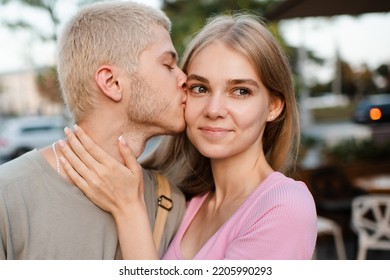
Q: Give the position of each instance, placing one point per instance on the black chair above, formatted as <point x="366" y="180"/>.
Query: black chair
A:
<point x="333" y="193"/>
<point x="332" y="189"/>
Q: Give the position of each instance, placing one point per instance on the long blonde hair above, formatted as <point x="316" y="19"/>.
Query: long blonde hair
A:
<point x="246" y="34"/>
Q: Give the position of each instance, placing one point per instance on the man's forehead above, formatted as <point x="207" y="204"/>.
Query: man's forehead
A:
<point x="171" y="54"/>
<point x="161" y="42"/>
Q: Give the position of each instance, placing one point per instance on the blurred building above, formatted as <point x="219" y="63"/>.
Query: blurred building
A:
<point x="19" y="95"/>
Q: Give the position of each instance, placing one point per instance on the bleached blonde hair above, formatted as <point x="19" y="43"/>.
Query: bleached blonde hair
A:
<point x="113" y="33"/>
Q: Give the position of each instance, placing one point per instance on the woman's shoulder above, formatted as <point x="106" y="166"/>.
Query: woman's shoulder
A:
<point x="281" y="193"/>
<point x="277" y="183"/>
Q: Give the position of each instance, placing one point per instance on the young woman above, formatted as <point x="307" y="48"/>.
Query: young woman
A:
<point x="242" y="132"/>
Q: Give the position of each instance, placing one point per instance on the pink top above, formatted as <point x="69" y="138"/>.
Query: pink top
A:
<point x="278" y="220"/>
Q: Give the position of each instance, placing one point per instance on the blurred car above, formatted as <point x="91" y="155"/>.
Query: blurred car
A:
<point x="20" y="135"/>
<point x="373" y="109"/>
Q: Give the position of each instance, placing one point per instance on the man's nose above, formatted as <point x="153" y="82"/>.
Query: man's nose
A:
<point x="181" y="79"/>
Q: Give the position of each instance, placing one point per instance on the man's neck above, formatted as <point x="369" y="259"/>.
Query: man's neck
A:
<point x="106" y="137"/>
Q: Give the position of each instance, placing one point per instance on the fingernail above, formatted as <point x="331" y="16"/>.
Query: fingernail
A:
<point x="122" y="140"/>
<point x="76" y="128"/>
<point x="62" y="159"/>
<point x="60" y="143"/>
<point x="66" y="130"/>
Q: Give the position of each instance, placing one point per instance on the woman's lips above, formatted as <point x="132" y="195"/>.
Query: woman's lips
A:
<point x="214" y="131"/>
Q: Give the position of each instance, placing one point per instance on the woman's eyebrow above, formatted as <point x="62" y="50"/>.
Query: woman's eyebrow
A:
<point x="243" y="81"/>
<point x="229" y="82"/>
<point x="197" y="77"/>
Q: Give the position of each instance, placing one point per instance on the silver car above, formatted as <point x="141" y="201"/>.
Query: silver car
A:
<point x="20" y="135"/>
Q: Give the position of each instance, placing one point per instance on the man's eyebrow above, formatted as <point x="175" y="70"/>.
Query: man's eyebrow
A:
<point x="243" y="81"/>
<point x="197" y="78"/>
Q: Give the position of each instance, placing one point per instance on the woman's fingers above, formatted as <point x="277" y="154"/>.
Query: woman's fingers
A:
<point x="109" y="183"/>
<point x="91" y="147"/>
<point x="80" y="151"/>
<point x="128" y="156"/>
<point x="74" y="175"/>
<point x="77" y="166"/>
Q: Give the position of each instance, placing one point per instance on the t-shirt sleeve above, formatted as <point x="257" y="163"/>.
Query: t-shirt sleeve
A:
<point x="287" y="230"/>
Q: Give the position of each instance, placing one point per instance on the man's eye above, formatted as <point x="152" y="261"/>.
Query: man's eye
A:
<point x="198" y="89"/>
<point x="168" y="66"/>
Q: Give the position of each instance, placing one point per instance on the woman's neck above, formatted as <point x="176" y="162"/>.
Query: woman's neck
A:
<point x="238" y="176"/>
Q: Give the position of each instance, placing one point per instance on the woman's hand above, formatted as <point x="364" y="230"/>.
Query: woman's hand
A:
<point x="112" y="186"/>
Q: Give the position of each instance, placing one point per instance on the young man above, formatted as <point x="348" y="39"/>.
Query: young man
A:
<point x="119" y="76"/>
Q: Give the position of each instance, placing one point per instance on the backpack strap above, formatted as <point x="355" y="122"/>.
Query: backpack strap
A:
<point x="164" y="205"/>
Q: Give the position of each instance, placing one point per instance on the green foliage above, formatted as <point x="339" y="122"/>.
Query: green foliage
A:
<point x="308" y="142"/>
<point x="46" y="79"/>
<point x="384" y="71"/>
<point x="50" y="7"/>
<point x="189" y="16"/>
<point x="350" y="151"/>
<point x="48" y="85"/>
<point x="21" y="23"/>
<point x="333" y="114"/>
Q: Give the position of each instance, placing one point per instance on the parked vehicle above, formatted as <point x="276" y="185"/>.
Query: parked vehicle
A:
<point x="373" y="109"/>
<point x="20" y="135"/>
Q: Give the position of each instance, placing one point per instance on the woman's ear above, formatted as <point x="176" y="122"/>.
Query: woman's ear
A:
<point x="275" y="108"/>
<point x="108" y="83"/>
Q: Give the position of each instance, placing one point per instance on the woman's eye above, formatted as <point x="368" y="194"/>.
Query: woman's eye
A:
<point x="198" y="89"/>
<point x="169" y="67"/>
<point x="241" y="92"/>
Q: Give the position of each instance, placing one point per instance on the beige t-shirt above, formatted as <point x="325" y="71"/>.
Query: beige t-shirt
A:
<point x="44" y="217"/>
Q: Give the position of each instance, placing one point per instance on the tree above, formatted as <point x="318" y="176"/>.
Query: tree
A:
<point x="48" y="85"/>
<point x="189" y="16"/>
<point x="364" y="82"/>
<point x="384" y="72"/>
<point x="48" y="6"/>
<point x="47" y="79"/>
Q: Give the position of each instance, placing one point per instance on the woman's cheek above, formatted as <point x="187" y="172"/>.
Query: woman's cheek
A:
<point x="190" y="110"/>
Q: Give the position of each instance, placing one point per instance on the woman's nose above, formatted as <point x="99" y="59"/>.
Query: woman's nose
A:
<point x="216" y="106"/>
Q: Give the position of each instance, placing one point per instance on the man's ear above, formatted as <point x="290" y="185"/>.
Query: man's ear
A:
<point x="108" y="83"/>
<point x="275" y="108"/>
